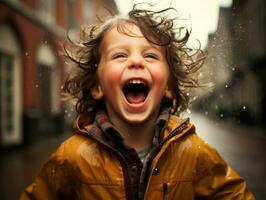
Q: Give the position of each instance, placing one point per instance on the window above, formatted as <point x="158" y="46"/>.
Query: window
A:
<point x="6" y="93"/>
<point x="70" y="15"/>
<point x="87" y="11"/>
<point x="48" y="80"/>
<point x="45" y="73"/>
<point x="10" y="87"/>
<point x="46" y="11"/>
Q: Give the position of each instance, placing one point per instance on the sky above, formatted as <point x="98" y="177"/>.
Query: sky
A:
<point x="202" y="14"/>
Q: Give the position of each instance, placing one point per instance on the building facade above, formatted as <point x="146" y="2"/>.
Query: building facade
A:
<point x="236" y="61"/>
<point x="32" y="69"/>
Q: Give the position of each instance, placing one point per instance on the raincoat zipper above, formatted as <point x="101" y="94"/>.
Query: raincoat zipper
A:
<point x="143" y="184"/>
<point x="165" y="187"/>
<point x="123" y="162"/>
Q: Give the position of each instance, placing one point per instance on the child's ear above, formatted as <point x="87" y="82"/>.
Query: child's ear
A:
<point x="168" y="94"/>
<point x="96" y="92"/>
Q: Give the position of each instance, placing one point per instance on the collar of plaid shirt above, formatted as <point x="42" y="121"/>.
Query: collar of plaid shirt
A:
<point x="107" y="132"/>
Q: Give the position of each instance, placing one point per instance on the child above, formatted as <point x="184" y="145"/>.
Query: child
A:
<point x="134" y="73"/>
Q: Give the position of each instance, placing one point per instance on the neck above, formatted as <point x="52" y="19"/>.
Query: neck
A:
<point x="137" y="136"/>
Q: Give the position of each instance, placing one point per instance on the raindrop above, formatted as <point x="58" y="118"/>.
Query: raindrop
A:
<point x="187" y="94"/>
<point x="226" y="86"/>
<point x="188" y="111"/>
<point x="36" y="85"/>
<point x="195" y="98"/>
<point x="233" y="69"/>
<point x="244" y="107"/>
<point x="221" y="115"/>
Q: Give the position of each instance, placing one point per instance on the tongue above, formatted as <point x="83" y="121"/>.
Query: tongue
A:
<point x="135" y="98"/>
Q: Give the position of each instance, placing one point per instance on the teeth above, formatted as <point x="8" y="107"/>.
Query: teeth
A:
<point x="136" y="82"/>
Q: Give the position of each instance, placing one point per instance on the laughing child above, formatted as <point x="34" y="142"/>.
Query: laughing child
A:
<point x="132" y="77"/>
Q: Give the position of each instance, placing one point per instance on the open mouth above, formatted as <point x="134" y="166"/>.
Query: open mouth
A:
<point x="136" y="91"/>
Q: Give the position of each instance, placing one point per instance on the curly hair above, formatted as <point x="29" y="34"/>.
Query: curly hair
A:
<point x="184" y="63"/>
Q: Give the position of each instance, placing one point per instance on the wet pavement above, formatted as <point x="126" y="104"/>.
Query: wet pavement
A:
<point x="18" y="167"/>
<point x="242" y="147"/>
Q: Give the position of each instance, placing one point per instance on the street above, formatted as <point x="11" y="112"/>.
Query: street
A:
<point x="242" y="147"/>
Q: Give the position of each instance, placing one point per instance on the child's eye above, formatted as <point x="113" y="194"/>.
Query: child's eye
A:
<point x="119" y="55"/>
<point x="151" y="55"/>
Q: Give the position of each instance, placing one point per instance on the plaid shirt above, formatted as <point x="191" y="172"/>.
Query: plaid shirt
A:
<point x="107" y="132"/>
<point x="104" y="131"/>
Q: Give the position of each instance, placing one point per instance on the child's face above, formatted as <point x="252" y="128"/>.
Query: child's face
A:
<point x="133" y="75"/>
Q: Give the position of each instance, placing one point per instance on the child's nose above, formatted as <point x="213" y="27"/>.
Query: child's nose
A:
<point x="136" y="62"/>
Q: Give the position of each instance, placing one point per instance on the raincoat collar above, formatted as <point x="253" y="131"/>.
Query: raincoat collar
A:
<point x="98" y="124"/>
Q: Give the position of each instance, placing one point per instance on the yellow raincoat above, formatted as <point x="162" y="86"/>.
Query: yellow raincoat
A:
<point x="184" y="168"/>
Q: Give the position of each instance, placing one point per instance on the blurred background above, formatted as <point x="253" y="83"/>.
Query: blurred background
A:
<point x="34" y="119"/>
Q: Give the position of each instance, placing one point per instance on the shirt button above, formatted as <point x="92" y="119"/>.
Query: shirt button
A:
<point x="134" y="168"/>
<point x="156" y="171"/>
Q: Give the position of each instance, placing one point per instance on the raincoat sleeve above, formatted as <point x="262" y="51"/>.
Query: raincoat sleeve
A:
<point x="215" y="179"/>
<point x="51" y="178"/>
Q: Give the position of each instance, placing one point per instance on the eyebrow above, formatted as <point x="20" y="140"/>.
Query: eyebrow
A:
<point x="145" y="47"/>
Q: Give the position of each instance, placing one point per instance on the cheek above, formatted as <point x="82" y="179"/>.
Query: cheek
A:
<point x="160" y="76"/>
<point x="110" y="79"/>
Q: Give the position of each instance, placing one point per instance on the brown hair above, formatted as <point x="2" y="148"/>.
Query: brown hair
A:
<point x="158" y="29"/>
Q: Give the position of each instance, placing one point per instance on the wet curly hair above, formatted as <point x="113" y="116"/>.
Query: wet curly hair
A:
<point x="184" y="63"/>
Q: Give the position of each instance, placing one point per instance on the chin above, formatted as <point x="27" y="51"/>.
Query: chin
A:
<point x="137" y="119"/>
